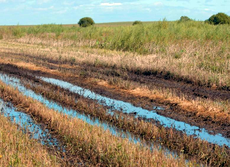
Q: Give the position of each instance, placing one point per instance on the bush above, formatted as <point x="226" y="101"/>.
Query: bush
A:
<point x="220" y="18"/>
<point x="85" y="22"/>
<point x="184" y="19"/>
<point x="137" y="23"/>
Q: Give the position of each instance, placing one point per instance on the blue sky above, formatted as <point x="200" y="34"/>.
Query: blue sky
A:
<point x="28" y="12"/>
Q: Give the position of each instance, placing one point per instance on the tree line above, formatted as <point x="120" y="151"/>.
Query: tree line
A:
<point x="219" y="18"/>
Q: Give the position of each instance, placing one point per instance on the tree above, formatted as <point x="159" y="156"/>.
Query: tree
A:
<point x="219" y="18"/>
<point x="137" y="23"/>
<point x="86" y="21"/>
<point x="184" y="19"/>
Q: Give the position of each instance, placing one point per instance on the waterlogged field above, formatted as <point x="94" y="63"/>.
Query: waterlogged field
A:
<point x="151" y="95"/>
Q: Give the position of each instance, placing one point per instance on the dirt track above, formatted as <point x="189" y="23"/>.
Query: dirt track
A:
<point x="171" y="110"/>
<point x="189" y="89"/>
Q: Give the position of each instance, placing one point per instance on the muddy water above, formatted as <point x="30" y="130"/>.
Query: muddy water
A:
<point x="74" y="114"/>
<point x="27" y="124"/>
<point x="140" y="112"/>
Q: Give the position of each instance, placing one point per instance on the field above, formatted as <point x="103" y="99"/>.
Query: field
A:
<point x="156" y="94"/>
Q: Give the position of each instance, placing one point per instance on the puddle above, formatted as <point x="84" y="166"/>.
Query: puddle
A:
<point x="74" y="114"/>
<point x="27" y="124"/>
<point x="140" y="112"/>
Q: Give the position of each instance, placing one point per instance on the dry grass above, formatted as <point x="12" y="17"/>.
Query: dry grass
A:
<point x="95" y="145"/>
<point x="17" y="149"/>
<point x="197" y="64"/>
<point x="142" y="129"/>
<point x="205" y="107"/>
<point x="172" y="47"/>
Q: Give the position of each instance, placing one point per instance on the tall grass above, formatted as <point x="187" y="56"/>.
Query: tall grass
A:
<point x="141" y="38"/>
<point x="192" y="51"/>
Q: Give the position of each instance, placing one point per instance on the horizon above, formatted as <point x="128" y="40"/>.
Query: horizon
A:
<point x="95" y="23"/>
<point x="38" y="12"/>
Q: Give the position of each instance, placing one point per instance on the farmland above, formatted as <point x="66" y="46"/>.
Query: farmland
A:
<point x="156" y="94"/>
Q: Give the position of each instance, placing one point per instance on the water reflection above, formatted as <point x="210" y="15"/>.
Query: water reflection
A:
<point x="140" y="112"/>
<point x="27" y="124"/>
<point x="15" y="82"/>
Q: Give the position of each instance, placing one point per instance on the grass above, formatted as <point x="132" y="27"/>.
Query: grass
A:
<point x="73" y="57"/>
<point x="193" y="51"/>
<point x="166" y="137"/>
<point x="17" y="149"/>
<point x="130" y="38"/>
<point x="204" y="109"/>
<point x="94" y="145"/>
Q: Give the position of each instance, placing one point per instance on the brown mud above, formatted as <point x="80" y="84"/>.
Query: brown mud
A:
<point x="188" y="88"/>
<point x="217" y="125"/>
<point x="174" y="140"/>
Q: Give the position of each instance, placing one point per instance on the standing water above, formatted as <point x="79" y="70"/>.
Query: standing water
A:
<point x="27" y="124"/>
<point x="74" y="114"/>
<point x="140" y="112"/>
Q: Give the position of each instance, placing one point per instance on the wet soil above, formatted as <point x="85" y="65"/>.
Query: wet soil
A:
<point x="171" y="110"/>
<point x="191" y="89"/>
<point x="50" y="142"/>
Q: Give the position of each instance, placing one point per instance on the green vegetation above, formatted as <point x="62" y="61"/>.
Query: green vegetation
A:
<point x="137" y="23"/>
<point x="184" y="19"/>
<point x="86" y="22"/>
<point x="149" y="38"/>
<point x="190" y="47"/>
<point x="220" y="18"/>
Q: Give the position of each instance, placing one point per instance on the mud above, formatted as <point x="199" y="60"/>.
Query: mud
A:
<point x="171" y="111"/>
<point x="27" y="124"/>
<point x="190" y="88"/>
<point x="16" y="83"/>
<point x="128" y="108"/>
<point x="30" y="75"/>
<point x="36" y="131"/>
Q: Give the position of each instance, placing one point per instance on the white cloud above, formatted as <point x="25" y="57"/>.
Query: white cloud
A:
<point x="110" y="4"/>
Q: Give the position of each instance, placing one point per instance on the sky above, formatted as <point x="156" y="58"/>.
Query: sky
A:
<point x="33" y="12"/>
